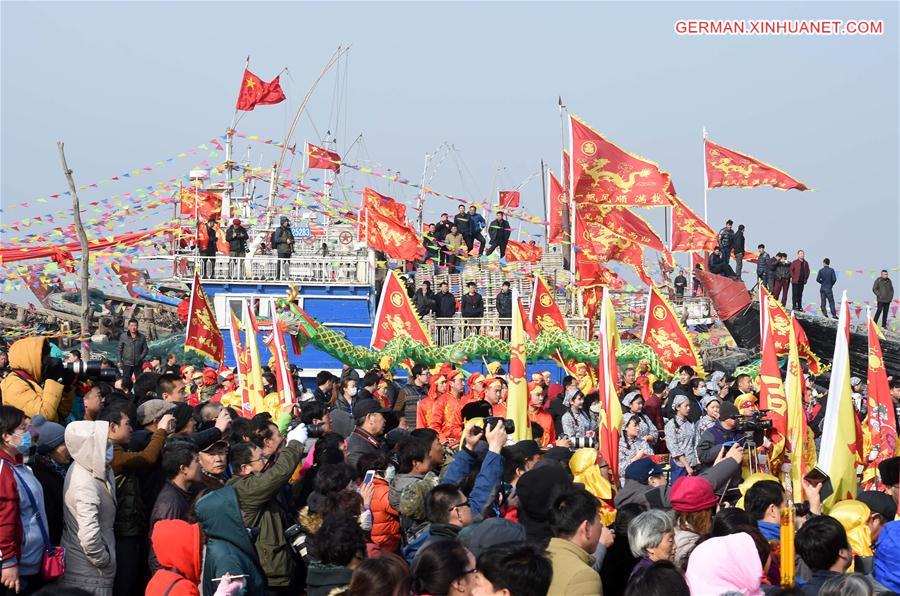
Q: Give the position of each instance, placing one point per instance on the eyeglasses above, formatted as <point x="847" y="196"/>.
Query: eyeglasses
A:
<point x="463" y="504"/>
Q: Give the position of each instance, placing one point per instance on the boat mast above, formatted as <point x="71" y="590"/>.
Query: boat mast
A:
<point x="420" y="203"/>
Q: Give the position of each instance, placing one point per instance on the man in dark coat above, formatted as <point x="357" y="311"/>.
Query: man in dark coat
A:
<point x="799" y="277"/>
<point x="737" y="247"/>
<point x="826" y="279"/>
<point x="441" y="229"/>
<point x="283" y="245"/>
<point x="472" y="304"/>
<point x="237" y="238"/>
<point x="132" y="352"/>
<point x="463" y="224"/>
<point x="718" y="263"/>
<point x="207" y="247"/>
<point x="499" y="232"/>
<point x="423" y="299"/>
<point x="444" y="303"/>
<point x="476" y="225"/>
<point x="762" y="267"/>
<point x="884" y="293"/>
<point x="726" y="239"/>
<point x="504" y="301"/>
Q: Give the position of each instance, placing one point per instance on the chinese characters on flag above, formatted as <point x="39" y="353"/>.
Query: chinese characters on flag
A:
<point x="728" y="168"/>
<point x="665" y="335"/>
<point x="202" y="334"/>
<point x="395" y="316"/>
<point x="256" y="92"/>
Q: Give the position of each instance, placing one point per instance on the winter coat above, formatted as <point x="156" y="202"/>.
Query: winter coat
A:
<point x="176" y="545"/>
<point x="90" y="510"/>
<point x="504" y="304"/>
<point x="799" y="271"/>
<point x="462" y="221"/>
<point x="51" y="477"/>
<point x="25" y="387"/>
<point x="408" y="400"/>
<point x="762" y="265"/>
<point x="21" y="540"/>
<point x="882" y="288"/>
<point x="424" y="302"/>
<point x="237" y="238"/>
<point x="132" y="350"/>
<point x="726" y="240"/>
<point x="782" y="270"/>
<point x="633" y="491"/>
<point x="737" y="243"/>
<point x="322" y="580"/>
<point x="361" y="443"/>
<point x="256" y="497"/>
<point x="130" y="469"/>
<point x="453" y="242"/>
<point x="499" y="231"/>
<point x="826" y="278"/>
<point x="472" y="306"/>
<point x="685" y="541"/>
<point x="385" y="519"/>
<point x="283" y="241"/>
<point x="172" y="503"/>
<point x="444" y="305"/>
<point x="477" y="224"/>
<point x="441" y="229"/>
<point x="228" y="545"/>
<point x="573" y="571"/>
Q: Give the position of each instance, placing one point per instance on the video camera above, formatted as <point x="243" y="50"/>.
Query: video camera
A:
<point x="491" y="421"/>
<point x="753" y="422"/>
<point x="91" y="369"/>
<point x="314" y="430"/>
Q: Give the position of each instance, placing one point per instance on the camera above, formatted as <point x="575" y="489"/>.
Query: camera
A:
<point x="582" y="442"/>
<point x="92" y="370"/>
<point x="316" y="430"/>
<point x="296" y="537"/>
<point x="801" y="509"/>
<point x="491" y="421"/>
<point x="753" y="422"/>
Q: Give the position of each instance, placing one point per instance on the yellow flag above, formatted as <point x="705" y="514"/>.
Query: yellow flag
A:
<point x="254" y="366"/>
<point x="796" y="421"/>
<point x="838" y="444"/>
<point x="517" y="400"/>
<point x="607" y="380"/>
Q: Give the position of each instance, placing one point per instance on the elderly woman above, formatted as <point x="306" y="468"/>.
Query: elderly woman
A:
<point x="634" y="402"/>
<point x="577" y="422"/>
<point x="710" y="405"/>
<point x="681" y="439"/>
<point x="652" y="538"/>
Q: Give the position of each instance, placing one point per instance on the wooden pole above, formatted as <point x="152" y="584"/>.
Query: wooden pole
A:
<point x="85" y="250"/>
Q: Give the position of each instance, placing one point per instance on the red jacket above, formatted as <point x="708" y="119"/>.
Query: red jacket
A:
<point x="385" y="519"/>
<point x="799" y="271"/>
<point x="177" y="547"/>
<point x="11" y="532"/>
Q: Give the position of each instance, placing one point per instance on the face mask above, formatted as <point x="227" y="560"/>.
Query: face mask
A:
<point x="109" y="454"/>
<point x="25" y="443"/>
<point x="353" y="391"/>
<point x="390" y="473"/>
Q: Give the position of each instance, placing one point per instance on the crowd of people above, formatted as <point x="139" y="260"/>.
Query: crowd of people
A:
<point x="778" y="273"/>
<point x="155" y="483"/>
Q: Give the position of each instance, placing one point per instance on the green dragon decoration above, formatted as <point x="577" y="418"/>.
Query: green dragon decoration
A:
<point x="548" y="344"/>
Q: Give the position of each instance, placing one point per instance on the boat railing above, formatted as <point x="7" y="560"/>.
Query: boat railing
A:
<point x="445" y="331"/>
<point x="307" y="269"/>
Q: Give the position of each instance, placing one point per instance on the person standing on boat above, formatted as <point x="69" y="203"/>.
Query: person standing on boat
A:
<point x="441" y="229"/>
<point x="726" y="240"/>
<point x="499" y="232"/>
<point x="207" y="246"/>
<point x="762" y="267"/>
<point x="799" y="277"/>
<point x="283" y="245"/>
<point x="884" y="293"/>
<point x="476" y="225"/>
<point x="826" y="279"/>
<point x="463" y="224"/>
<point x="737" y="247"/>
<point x="132" y="352"/>
<point x="237" y="238"/>
<point x="680" y="285"/>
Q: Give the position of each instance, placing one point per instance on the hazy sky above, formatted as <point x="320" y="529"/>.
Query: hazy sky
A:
<point x="127" y="84"/>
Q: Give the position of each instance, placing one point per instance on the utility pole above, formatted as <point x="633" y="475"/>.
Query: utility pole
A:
<point x="85" y="250"/>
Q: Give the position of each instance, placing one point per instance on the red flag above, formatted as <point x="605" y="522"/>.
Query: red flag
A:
<point x="590" y="273"/>
<point x="284" y="382"/>
<point x="604" y="173"/>
<point x="523" y="251"/>
<point x="129" y="276"/>
<point x="665" y="335"/>
<point x="386" y="228"/>
<point x="544" y="312"/>
<point x="600" y="244"/>
<point x="322" y="159"/>
<point x="556" y="204"/>
<point x="772" y="395"/>
<point x="209" y="203"/>
<point x="623" y="222"/>
<point x="527" y="323"/>
<point x="728" y="168"/>
<point x="202" y="333"/>
<point x="880" y="420"/>
<point x="509" y="198"/>
<point x="689" y="232"/>
<point x="395" y="316"/>
<point x="256" y="92"/>
<point x="780" y="323"/>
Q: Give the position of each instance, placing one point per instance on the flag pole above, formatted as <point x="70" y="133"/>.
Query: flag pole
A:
<point x="705" y="181"/>
<point x="546" y="208"/>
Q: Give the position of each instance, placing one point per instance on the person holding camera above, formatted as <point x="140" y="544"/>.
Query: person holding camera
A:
<point x="37" y="382"/>
<point x="721" y="436"/>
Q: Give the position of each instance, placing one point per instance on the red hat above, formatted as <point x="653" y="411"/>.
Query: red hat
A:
<point x="236" y="221"/>
<point x="554" y="390"/>
<point x="692" y="493"/>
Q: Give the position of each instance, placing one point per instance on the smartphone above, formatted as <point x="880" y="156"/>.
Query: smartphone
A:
<point x="370" y="475"/>
<point x="728" y="443"/>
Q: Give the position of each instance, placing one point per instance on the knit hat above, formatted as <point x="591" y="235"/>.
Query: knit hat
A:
<point x="692" y="493"/>
<point x="728" y="410"/>
<point x="493" y="532"/>
<point x="341" y="422"/>
<point x="50" y="434"/>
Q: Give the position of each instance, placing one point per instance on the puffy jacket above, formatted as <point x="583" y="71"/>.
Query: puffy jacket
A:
<point x="256" y="496"/>
<point x="90" y="509"/>
<point x="504" y="304"/>
<point x="573" y="571"/>
<point x="477" y="224"/>
<point x="237" y="237"/>
<point x="385" y="519"/>
<point x="25" y="388"/>
<point x="176" y="544"/>
<point x="228" y="545"/>
<point x="799" y="271"/>
<point x="453" y="243"/>
<point x="762" y="265"/>
<point x="283" y="239"/>
<point x="882" y="288"/>
<point x="472" y="305"/>
<point x="444" y="305"/>
<point x="132" y="350"/>
<point x="441" y="229"/>
<point x="463" y="224"/>
<point x="782" y="270"/>
<point x="51" y="477"/>
<point x="407" y="401"/>
<point x="726" y="240"/>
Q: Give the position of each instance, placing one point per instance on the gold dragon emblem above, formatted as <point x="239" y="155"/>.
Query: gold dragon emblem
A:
<point x="396" y="325"/>
<point x="664" y="341"/>
<point x="546" y="322"/>
<point x="598" y="174"/>
<point x="726" y="166"/>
